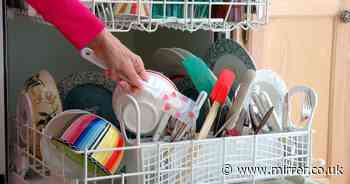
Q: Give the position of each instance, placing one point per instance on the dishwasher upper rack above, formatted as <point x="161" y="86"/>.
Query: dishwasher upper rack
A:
<point x="184" y="15"/>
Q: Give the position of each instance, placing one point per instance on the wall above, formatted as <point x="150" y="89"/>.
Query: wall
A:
<point x="33" y="47"/>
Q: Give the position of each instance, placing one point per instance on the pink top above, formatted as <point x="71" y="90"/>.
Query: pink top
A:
<point x="73" y="19"/>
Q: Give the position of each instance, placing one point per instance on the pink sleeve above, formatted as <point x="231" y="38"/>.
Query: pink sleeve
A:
<point x="73" y="19"/>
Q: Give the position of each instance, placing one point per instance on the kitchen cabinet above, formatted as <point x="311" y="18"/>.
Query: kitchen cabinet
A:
<point x="307" y="42"/>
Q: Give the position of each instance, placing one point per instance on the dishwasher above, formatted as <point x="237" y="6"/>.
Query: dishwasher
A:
<point x="65" y="122"/>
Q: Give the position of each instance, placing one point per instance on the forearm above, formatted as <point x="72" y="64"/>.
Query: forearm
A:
<point x="71" y="18"/>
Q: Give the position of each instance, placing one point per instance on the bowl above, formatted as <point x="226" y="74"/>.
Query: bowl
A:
<point x="150" y="109"/>
<point x="63" y="155"/>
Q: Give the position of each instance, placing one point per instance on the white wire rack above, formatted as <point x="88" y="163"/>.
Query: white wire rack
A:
<point x="218" y="160"/>
<point x="185" y="15"/>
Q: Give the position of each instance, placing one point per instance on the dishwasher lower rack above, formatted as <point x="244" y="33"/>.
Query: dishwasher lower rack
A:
<point x="217" y="160"/>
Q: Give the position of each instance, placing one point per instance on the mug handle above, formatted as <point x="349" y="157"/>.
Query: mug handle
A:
<point x="90" y="55"/>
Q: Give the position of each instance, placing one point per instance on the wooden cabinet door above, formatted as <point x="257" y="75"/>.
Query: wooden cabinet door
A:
<point x="339" y="136"/>
<point x="306" y="43"/>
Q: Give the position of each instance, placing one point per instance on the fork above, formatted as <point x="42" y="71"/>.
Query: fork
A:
<point x="307" y="110"/>
<point x="308" y="107"/>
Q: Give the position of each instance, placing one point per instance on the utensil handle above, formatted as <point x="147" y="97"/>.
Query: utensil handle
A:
<point x="237" y="105"/>
<point x="90" y="55"/>
<point x="257" y="101"/>
<point x="202" y="97"/>
<point x="161" y="127"/>
<point x="267" y="103"/>
<point x="209" y="121"/>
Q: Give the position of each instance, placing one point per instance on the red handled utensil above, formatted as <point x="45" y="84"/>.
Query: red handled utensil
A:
<point x="218" y="96"/>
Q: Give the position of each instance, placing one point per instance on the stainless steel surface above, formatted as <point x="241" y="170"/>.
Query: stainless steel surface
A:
<point x="2" y="94"/>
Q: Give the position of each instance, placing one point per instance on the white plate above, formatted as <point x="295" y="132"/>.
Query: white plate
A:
<point x="273" y="85"/>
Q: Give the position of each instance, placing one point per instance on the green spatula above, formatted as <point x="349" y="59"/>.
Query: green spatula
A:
<point x="202" y="77"/>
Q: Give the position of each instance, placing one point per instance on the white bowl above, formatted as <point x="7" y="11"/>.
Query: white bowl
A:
<point x="147" y="100"/>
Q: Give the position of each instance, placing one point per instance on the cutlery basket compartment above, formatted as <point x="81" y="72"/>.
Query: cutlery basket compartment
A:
<point x="222" y="160"/>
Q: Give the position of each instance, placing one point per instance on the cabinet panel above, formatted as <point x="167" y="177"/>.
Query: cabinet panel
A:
<point x="339" y="144"/>
<point x="302" y="7"/>
<point x="300" y="50"/>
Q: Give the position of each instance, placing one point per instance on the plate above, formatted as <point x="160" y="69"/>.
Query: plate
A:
<point x="45" y="103"/>
<point x="76" y="79"/>
<point x="24" y="115"/>
<point x="89" y="91"/>
<point x="229" y="54"/>
<point x="273" y="85"/>
<point x="168" y="61"/>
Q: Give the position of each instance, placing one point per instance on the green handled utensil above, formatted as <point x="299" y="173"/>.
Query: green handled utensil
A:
<point x="202" y="77"/>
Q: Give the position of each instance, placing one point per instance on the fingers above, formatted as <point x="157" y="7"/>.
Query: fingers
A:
<point x="125" y="86"/>
<point x="140" y="68"/>
<point x="133" y="78"/>
<point x="127" y="74"/>
<point x="122" y="83"/>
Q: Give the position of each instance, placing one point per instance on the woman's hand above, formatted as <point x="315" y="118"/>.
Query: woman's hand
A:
<point x="124" y="66"/>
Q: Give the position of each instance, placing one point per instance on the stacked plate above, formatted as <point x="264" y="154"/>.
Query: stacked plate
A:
<point x="38" y="103"/>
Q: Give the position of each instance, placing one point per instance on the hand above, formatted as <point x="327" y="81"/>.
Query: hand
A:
<point x="124" y="66"/>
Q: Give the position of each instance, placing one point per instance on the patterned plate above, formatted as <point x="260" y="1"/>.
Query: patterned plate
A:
<point x="43" y="95"/>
